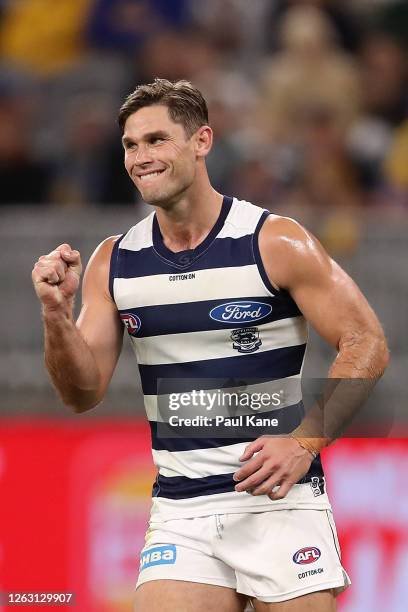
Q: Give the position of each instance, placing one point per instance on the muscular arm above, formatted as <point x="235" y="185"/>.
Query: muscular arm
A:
<point x="333" y="304"/>
<point x="294" y="260"/>
<point x="80" y="357"/>
<point x="327" y="296"/>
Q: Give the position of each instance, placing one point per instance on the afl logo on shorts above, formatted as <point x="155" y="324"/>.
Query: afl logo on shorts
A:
<point x="307" y="555"/>
<point x="240" y="312"/>
<point x="132" y="323"/>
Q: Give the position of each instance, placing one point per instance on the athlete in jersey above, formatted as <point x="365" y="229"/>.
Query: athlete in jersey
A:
<point x="189" y="326"/>
<point x="212" y="289"/>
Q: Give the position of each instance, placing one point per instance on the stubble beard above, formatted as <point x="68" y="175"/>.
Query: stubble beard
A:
<point x="167" y="197"/>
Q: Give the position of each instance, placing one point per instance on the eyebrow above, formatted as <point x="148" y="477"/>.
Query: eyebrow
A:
<point x="157" y="134"/>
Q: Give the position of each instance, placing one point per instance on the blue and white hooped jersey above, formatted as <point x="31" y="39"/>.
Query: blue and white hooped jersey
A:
<point x="209" y="313"/>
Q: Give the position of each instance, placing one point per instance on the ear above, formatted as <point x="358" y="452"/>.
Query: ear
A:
<point x="203" y="139"/>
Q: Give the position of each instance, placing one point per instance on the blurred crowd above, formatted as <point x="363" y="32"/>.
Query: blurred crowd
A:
<point x="308" y="98"/>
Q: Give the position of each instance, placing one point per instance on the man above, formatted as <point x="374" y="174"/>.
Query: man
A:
<point x="211" y="286"/>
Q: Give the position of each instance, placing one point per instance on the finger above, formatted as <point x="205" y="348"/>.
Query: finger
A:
<point x="249" y="468"/>
<point x="66" y="252"/>
<point x="70" y="256"/>
<point x="44" y="265"/>
<point x="252" y="448"/>
<point x="73" y="259"/>
<point x="50" y="258"/>
<point x="60" y="267"/>
<point x="57" y="252"/>
<point x="254" y="479"/>
<point x="64" y="247"/>
<point x="282" y="491"/>
<point x="46" y="275"/>
<point x="268" y="485"/>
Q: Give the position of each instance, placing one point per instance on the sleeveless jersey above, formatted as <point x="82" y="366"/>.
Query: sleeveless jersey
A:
<point x="209" y="314"/>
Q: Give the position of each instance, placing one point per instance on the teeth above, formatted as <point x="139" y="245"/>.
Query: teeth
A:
<point x="150" y="175"/>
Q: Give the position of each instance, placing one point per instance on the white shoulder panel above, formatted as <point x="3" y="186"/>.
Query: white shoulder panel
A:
<point x="139" y="236"/>
<point x="242" y="219"/>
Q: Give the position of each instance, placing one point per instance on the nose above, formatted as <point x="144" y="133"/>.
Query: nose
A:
<point x="142" y="155"/>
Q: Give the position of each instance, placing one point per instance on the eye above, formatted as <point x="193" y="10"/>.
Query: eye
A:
<point x="129" y="145"/>
<point x="156" y="140"/>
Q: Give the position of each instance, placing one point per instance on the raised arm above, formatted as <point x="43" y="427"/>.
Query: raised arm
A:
<point x="81" y="356"/>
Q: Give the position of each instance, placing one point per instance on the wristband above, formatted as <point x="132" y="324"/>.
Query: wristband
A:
<point x="308" y="445"/>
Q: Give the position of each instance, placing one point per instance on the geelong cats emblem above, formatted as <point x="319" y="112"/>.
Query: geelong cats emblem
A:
<point x="246" y="339"/>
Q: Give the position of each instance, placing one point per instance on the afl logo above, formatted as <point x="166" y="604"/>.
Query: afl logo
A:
<point x="240" y="312"/>
<point x="132" y="323"/>
<point x="307" y="555"/>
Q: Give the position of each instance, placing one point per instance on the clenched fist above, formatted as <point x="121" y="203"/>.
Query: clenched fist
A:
<point x="56" y="276"/>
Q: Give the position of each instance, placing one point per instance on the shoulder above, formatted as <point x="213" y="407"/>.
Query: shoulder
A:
<point x="137" y="237"/>
<point x="98" y="268"/>
<point x="289" y="250"/>
<point x="103" y="251"/>
<point x="283" y="233"/>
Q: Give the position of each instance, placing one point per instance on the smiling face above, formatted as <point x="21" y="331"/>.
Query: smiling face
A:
<point x="160" y="158"/>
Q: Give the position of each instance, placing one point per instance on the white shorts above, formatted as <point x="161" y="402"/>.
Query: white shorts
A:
<point x="271" y="556"/>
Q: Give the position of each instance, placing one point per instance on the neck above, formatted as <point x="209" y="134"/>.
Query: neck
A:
<point x="186" y="224"/>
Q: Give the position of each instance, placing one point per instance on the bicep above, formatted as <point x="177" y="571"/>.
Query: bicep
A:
<point x="328" y="298"/>
<point x="331" y="301"/>
<point x="99" y="322"/>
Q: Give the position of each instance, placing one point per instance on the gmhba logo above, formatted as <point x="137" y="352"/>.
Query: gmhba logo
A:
<point x="158" y="555"/>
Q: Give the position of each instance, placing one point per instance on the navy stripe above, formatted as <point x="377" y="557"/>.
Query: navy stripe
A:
<point x="181" y="487"/>
<point x="195" y="316"/>
<point x="186" y="443"/>
<point x="182" y="438"/>
<point x="257" y="253"/>
<point x="277" y="363"/>
<point x="113" y="266"/>
<point x="224" y="252"/>
<point x="282" y="293"/>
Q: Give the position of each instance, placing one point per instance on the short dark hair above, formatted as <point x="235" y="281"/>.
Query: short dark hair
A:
<point x="185" y="103"/>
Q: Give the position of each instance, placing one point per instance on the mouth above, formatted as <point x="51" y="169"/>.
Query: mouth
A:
<point x="149" y="175"/>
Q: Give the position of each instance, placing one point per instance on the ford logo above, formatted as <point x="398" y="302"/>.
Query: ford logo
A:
<point x="240" y="312"/>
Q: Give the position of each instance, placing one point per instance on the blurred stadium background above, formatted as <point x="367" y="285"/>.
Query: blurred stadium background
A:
<point x="309" y="103"/>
